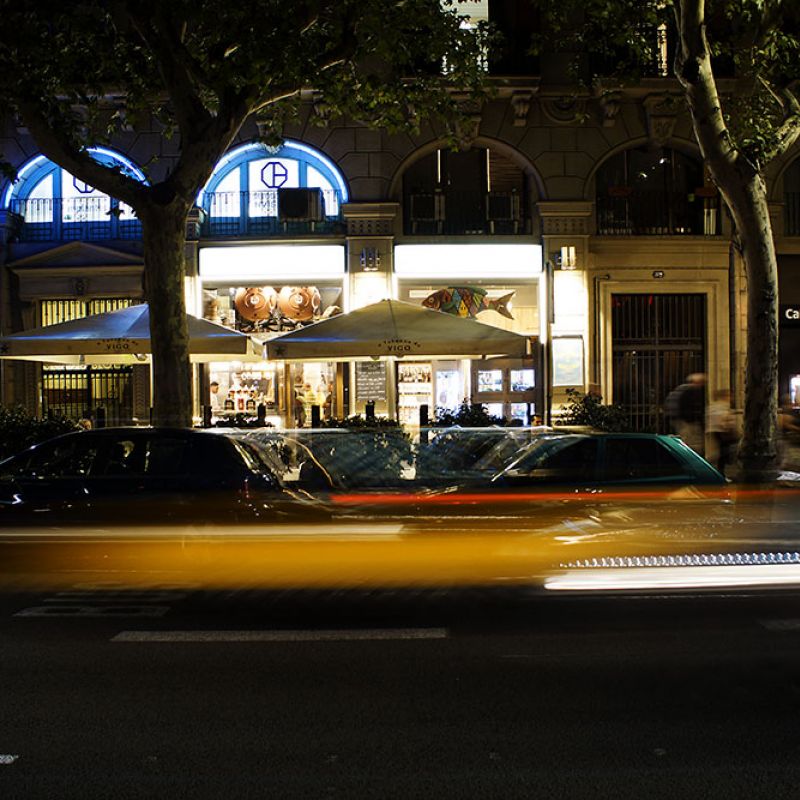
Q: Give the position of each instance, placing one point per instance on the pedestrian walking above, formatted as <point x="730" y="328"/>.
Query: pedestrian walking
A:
<point x="686" y="408"/>
<point x="721" y="425"/>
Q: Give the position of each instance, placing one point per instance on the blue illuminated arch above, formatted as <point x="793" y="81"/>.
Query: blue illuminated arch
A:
<point x="36" y="169"/>
<point x="306" y="157"/>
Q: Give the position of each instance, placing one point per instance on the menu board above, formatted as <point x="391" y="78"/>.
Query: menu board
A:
<point x="371" y="380"/>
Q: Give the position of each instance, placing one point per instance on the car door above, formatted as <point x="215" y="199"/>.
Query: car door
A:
<point x="50" y="479"/>
<point x="142" y="475"/>
<point x="569" y="461"/>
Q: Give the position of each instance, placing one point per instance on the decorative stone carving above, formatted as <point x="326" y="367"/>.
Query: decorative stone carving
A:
<point x="466" y="128"/>
<point x="564" y="110"/>
<point x="521" y="104"/>
<point x="662" y="114"/>
<point x="610" y="103"/>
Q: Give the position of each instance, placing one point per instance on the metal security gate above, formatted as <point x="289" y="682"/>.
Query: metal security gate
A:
<point x="657" y="340"/>
<point x="102" y="394"/>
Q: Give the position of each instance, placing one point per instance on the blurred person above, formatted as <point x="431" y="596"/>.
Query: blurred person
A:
<point x="721" y="424"/>
<point x="788" y="435"/>
<point x="685" y="406"/>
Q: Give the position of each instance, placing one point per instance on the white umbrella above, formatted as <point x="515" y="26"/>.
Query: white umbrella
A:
<point x="123" y="337"/>
<point x="395" y="328"/>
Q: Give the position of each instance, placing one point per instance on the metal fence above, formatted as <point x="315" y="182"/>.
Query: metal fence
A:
<point x="75" y="218"/>
<point x="654" y="214"/>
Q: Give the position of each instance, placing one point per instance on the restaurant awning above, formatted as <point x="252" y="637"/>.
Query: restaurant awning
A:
<point x="123" y="337"/>
<point x="394" y="328"/>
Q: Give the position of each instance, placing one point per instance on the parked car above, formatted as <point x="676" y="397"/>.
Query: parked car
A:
<point x="157" y="475"/>
<point x="586" y="460"/>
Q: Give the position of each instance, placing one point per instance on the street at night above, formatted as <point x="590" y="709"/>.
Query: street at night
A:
<point x="171" y="692"/>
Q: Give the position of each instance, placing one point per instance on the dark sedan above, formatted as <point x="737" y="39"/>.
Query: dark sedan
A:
<point x="136" y="475"/>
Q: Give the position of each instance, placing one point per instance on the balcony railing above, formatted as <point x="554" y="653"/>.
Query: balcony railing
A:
<point x="465" y="213"/>
<point x="270" y="213"/>
<point x="792" y="211"/>
<point x="74" y="218"/>
<point x="657" y="214"/>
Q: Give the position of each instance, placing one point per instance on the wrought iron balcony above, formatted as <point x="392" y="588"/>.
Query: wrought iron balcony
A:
<point x="74" y="218"/>
<point x="455" y="213"/>
<point x="272" y="212"/>
<point x="623" y="211"/>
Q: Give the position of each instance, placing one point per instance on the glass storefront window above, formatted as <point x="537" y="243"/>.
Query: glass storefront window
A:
<point x="414" y="389"/>
<point x="522" y="380"/>
<point x="490" y="380"/>
<point x="494" y="409"/>
<point x="794" y="389"/>
<point x="520" y="411"/>
<point x="449" y="393"/>
<point x="313" y="385"/>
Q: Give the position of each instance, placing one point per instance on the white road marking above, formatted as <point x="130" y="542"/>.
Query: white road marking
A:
<point x="781" y="624"/>
<point x="382" y="634"/>
<point x="93" y="611"/>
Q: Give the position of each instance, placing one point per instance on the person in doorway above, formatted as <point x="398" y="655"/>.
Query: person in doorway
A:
<point x="721" y="425"/>
<point x="216" y="403"/>
<point x="685" y="406"/>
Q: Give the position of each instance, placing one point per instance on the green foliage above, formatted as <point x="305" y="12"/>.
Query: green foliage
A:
<point x="613" y="43"/>
<point x="467" y="416"/>
<point x="20" y="430"/>
<point x="589" y="410"/>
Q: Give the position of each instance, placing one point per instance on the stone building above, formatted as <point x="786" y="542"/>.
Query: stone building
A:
<point x="590" y="212"/>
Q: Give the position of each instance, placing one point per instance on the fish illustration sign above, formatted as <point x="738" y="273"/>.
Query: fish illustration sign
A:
<point x="468" y="301"/>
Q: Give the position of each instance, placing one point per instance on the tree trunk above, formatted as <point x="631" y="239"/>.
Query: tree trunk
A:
<point x="745" y="194"/>
<point x="758" y="453"/>
<point x="164" y="233"/>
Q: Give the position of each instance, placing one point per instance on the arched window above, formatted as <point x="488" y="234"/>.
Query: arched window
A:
<point x="652" y="191"/>
<point x="256" y="189"/>
<point x="55" y="205"/>
<point x="791" y="194"/>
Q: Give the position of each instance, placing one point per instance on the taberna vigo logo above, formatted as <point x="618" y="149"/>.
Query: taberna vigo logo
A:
<point x="399" y="347"/>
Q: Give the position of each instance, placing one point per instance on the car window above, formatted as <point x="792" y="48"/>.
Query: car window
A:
<point x="559" y="459"/>
<point x="122" y="457"/>
<point x="72" y="457"/>
<point x="639" y="459"/>
<point x="167" y="456"/>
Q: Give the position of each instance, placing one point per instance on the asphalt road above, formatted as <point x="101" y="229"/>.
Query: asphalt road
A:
<point x="169" y="692"/>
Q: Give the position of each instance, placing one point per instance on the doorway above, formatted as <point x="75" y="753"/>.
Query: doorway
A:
<point x="657" y="340"/>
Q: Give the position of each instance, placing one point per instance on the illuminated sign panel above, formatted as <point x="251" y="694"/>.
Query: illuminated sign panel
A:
<point x="460" y="261"/>
<point x="272" y="262"/>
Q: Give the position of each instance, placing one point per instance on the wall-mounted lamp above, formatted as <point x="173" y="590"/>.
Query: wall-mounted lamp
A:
<point x="370" y="259"/>
<point x="568" y="258"/>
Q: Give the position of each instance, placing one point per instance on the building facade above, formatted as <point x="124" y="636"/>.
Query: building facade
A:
<point x="585" y="222"/>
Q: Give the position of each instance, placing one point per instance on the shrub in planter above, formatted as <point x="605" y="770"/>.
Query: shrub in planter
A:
<point x="20" y="429"/>
<point x="589" y="410"/>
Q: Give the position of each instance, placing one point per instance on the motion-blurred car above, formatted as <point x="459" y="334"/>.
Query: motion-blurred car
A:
<point x="153" y="475"/>
<point x="586" y="460"/>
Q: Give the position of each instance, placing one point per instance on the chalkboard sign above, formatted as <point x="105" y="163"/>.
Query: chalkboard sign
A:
<point x="370" y="380"/>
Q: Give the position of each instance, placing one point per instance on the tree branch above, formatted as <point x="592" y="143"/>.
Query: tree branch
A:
<point x="54" y="143"/>
<point x="178" y="71"/>
<point x="789" y="131"/>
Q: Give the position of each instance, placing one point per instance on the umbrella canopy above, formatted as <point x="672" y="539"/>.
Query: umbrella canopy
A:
<point x="123" y="337"/>
<point x="394" y="328"/>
